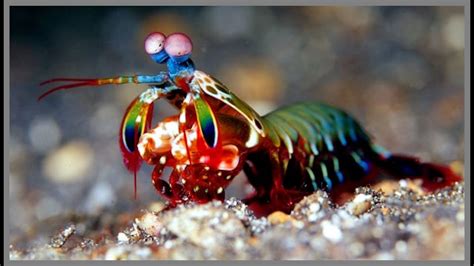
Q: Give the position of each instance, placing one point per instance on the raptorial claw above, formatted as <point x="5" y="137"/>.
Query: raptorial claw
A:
<point x="206" y="121"/>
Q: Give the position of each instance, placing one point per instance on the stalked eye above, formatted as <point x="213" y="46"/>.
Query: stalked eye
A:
<point x="178" y="45"/>
<point x="154" y="43"/>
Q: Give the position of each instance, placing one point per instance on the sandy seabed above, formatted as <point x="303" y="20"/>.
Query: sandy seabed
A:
<point x="392" y="221"/>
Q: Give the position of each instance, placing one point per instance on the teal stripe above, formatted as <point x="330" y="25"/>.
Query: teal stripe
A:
<point x="324" y="171"/>
<point x="359" y="161"/>
<point x="340" y="177"/>
<point x="312" y="177"/>
<point x="329" y="131"/>
<point x="316" y="142"/>
<point x="381" y="150"/>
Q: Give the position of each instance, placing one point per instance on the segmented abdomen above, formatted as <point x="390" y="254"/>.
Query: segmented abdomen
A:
<point x="321" y="146"/>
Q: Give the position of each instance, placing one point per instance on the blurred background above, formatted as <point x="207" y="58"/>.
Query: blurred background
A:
<point x="398" y="70"/>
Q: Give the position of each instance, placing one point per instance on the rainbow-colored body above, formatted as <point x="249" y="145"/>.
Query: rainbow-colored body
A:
<point x="286" y="154"/>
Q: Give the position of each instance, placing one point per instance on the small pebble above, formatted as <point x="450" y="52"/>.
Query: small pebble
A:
<point x="60" y="239"/>
<point x="360" y="204"/>
<point x="149" y="223"/>
<point x="279" y="217"/>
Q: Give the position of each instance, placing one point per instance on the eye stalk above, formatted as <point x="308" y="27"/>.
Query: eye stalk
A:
<point x="178" y="46"/>
<point x="154" y="47"/>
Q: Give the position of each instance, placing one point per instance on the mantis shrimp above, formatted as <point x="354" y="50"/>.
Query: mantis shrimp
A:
<point x="286" y="154"/>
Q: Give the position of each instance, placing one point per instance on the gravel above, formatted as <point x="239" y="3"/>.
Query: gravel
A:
<point x="401" y="224"/>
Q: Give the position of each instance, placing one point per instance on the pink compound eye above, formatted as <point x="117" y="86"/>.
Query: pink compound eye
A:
<point x="154" y="42"/>
<point x="178" y="44"/>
